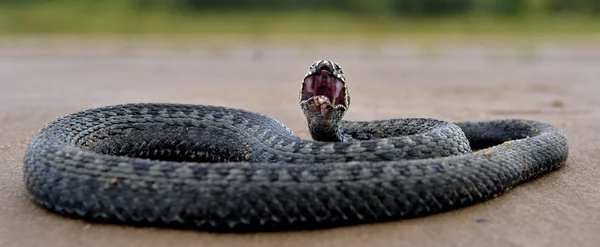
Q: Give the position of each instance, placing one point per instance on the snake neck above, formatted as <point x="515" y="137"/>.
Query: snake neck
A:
<point x="324" y="120"/>
<point x="326" y="132"/>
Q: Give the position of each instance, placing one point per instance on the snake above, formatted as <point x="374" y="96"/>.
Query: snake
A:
<point x="223" y="169"/>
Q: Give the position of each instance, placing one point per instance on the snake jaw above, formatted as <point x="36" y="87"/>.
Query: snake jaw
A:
<point x="326" y="86"/>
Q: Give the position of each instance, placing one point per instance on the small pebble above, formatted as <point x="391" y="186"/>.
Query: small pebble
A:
<point x="482" y="220"/>
<point x="558" y="103"/>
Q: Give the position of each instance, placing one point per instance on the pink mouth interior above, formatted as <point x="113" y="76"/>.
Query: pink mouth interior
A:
<point x="326" y="85"/>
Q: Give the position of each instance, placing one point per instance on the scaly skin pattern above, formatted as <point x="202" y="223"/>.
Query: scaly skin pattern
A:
<point x="222" y="169"/>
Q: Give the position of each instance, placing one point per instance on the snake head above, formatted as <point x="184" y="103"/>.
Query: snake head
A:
<point x="324" y="98"/>
<point x="325" y="78"/>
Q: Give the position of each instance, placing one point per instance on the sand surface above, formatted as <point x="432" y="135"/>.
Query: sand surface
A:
<point x="558" y="86"/>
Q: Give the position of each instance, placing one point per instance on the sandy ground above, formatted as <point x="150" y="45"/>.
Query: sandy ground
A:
<point x="555" y="85"/>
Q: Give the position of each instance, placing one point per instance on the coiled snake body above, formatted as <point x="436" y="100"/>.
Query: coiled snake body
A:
<point x="223" y="169"/>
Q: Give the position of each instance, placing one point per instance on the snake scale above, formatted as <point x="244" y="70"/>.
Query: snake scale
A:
<point x="216" y="168"/>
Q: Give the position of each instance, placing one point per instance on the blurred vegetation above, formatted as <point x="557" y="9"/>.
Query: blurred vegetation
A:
<point x="263" y="17"/>
<point x="373" y="7"/>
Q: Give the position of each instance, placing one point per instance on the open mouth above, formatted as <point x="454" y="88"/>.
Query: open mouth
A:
<point x="323" y="83"/>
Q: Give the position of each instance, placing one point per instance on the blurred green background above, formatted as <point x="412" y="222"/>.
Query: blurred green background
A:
<point x="307" y="20"/>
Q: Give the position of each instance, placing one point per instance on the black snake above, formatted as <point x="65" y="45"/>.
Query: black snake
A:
<point x="223" y="169"/>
